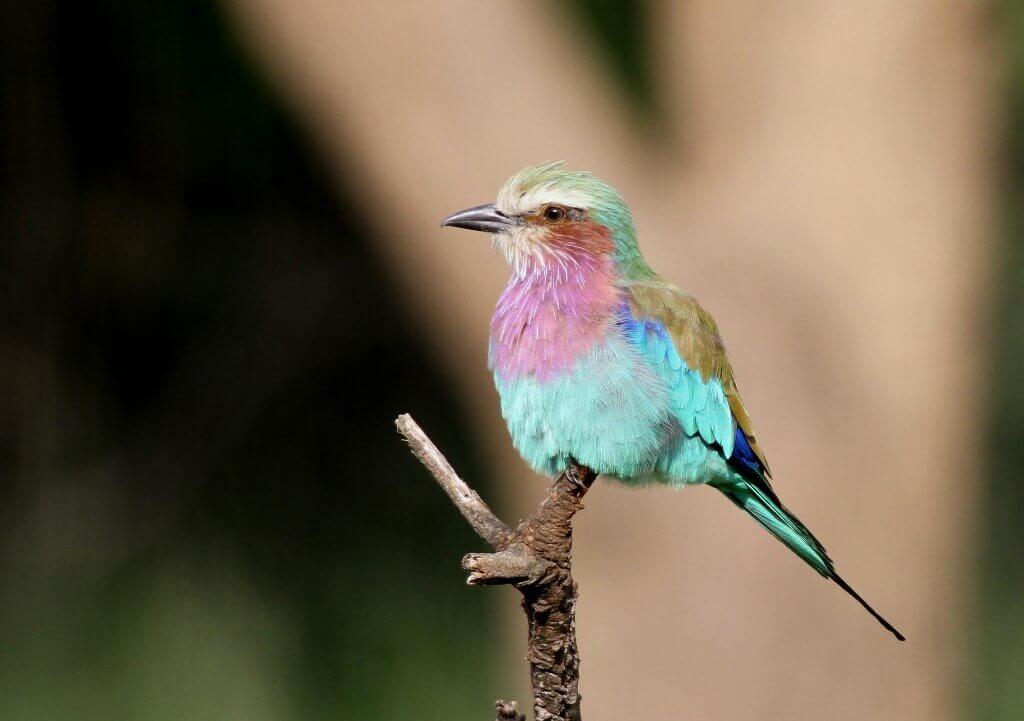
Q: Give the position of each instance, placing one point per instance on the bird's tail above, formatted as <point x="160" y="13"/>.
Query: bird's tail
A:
<point x="756" y="497"/>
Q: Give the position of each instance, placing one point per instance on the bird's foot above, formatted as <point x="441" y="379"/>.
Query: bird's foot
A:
<point x="580" y="477"/>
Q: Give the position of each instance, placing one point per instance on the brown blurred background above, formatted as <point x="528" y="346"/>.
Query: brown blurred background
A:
<point x="224" y="277"/>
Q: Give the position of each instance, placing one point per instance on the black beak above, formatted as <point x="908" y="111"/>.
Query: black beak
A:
<point x="486" y="218"/>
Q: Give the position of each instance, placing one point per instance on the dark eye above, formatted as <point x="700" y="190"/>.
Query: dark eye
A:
<point x="553" y="213"/>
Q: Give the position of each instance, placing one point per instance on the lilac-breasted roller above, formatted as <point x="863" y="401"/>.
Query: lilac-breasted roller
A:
<point x="600" y="360"/>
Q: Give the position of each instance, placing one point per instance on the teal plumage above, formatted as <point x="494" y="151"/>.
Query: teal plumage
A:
<point x="597" y="359"/>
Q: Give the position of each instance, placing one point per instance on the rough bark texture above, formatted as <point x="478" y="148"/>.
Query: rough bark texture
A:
<point x="536" y="558"/>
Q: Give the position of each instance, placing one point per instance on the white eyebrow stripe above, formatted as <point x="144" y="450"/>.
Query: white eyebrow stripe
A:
<point x="512" y="203"/>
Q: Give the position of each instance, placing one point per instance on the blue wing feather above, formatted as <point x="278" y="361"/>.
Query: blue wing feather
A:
<point x="743" y="456"/>
<point x="700" y="406"/>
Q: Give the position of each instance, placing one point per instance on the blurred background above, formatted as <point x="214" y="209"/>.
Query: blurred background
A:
<point x="223" y="277"/>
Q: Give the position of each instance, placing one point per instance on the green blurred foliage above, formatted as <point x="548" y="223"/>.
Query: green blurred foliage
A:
<point x="206" y="513"/>
<point x="617" y="30"/>
<point x="997" y="678"/>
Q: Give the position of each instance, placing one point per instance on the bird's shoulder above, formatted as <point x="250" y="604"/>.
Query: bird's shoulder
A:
<point x="693" y="330"/>
<point x="696" y="339"/>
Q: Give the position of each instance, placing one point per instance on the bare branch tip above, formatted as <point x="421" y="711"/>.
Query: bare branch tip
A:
<point x="403" y="423"/>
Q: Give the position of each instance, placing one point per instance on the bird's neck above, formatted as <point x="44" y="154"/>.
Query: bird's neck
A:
<point x="551" y="313"/>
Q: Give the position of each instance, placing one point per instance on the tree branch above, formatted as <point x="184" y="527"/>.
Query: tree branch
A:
<point x="487" y="525"/>
<point x="536" y="558"/>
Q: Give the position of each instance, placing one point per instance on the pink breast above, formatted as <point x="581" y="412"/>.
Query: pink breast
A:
<point x="547" y="319"/>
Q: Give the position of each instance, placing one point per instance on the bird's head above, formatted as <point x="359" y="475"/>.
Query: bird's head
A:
<point x="546" y="216"/>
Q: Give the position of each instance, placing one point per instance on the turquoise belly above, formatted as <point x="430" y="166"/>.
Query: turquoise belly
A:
<point x="611" y="412"/>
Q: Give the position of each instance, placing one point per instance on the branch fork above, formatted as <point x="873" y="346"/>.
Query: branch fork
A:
<point x="536" y="558"/>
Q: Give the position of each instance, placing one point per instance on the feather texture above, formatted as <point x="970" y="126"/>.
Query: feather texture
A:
<point x="695" y="337"/>
<point x="598" y="359"/>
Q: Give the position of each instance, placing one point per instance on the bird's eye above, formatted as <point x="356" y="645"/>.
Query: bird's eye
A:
<point x="554" y="213"/>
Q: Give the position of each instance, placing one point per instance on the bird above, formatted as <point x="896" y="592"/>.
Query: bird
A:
<point x="598" y="360"/>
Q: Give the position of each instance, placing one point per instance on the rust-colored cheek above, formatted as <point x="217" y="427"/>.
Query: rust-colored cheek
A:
<point x="582" y="236"/>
